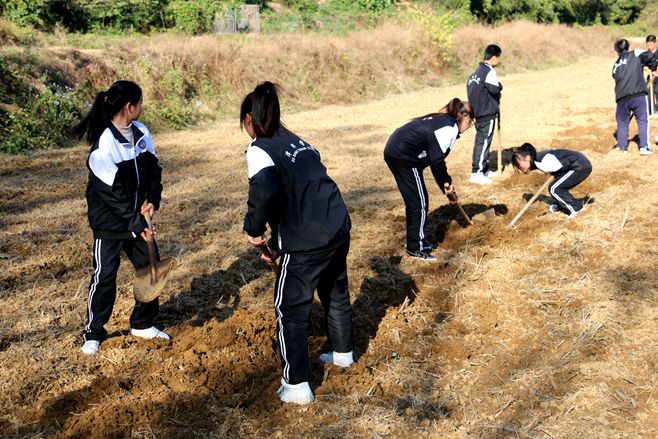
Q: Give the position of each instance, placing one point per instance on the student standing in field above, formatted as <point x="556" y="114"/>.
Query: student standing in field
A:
<point x="123" y="173"/>
<point x="570" y="168"/>
<point x="653" y="48"/>
<point x="425" y="141"/>
<point x="483" y="90"/>
<point x="289" y="189"/>
<point x="631" y="93"/>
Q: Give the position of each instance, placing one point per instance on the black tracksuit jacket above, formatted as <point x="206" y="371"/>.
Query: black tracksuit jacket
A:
<point x="483" y="90"/>
<point x="121" y="177"/>
<point x="558" y="161"/>
<point x="289" y="188"/>
<point x="424" y="142"/>
<point x="627" y="71"/>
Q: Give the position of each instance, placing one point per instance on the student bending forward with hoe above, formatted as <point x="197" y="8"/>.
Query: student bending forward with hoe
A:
<point x="570" y="168"/>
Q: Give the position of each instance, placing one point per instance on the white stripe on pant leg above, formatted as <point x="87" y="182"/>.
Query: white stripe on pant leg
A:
<point x="646" y="98"/>
<point x="559" y="182"/>
<point x="92" y="288"/>
<point x="277" y="303"/>
<point x="485" y="145"/>
<point x="423" y="205"/>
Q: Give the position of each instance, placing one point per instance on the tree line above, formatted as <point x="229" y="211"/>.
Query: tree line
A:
<point x="197" y="16"/>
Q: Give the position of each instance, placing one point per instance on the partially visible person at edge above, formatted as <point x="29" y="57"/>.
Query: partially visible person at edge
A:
<point x="570" y="168"/>
<point x="123" y="173"/>
<point x="425" y="141"/>
<point x="483" y="89"/>
<point x="653" y="48"/>
<point x="289" y="189"/>
<point x="631" y="93"/>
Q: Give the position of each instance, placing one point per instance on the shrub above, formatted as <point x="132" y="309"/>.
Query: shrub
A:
<point x="42" y="123"/>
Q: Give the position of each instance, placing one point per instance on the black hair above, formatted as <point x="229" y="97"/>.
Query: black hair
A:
<point x="491" y="50"/>
<point x="263" y="104"/>
<point x="106" y="105"/>
<point x="524" y="150"/>
<point x="456" y="108"/>
<point x="651" y="38"/>
<point x="621" y="46"/>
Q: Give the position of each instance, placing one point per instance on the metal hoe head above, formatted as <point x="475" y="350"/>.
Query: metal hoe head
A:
<point x="149" y="283"/>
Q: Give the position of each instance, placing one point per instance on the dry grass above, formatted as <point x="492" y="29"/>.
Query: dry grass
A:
<point x="529" y="45"/>
<point x="545" y="331"/>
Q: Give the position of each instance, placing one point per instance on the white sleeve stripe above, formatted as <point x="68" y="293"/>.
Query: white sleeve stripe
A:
<point x="549" y="163"/>
<point x="257" y="160"/>
<point x="446" y="136"/>
<point x="492" y="78"/>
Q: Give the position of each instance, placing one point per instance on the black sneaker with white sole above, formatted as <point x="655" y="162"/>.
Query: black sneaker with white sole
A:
<point x="420" y="254"/>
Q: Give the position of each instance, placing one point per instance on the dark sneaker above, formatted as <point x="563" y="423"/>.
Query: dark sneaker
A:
<point x="420" y="254"/>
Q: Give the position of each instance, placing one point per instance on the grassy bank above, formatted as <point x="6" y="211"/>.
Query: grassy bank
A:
<point x="190" y="80"/>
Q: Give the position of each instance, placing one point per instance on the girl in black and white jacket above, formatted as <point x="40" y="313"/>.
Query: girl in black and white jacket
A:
<point x="123" y="173"/>
<point x="425" y="141"/>
<point x="570" y="168"/>
<point x="289" y="189"/>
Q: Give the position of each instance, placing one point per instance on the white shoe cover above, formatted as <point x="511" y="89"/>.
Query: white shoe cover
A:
<point x="296" y="393"/>
<point x="150" y="333"/>
<point x="90" y="347"/>
<point x="340" y="359"/>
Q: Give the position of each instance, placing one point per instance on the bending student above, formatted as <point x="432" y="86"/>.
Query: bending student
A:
<point x="123" y="172"/>
<point x="570" y="168"/>
<point x="289" y="188"/>
<point x="425" y="141"/>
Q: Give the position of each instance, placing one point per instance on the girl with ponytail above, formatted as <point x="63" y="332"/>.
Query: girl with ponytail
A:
<point x="425" y="141"/>
<point x="289" y="189"/>
<point x="570" y="168"/>
<point x="124" y="187"/>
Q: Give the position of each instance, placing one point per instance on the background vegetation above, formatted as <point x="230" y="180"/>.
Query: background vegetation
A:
<point x="56" y="54"/>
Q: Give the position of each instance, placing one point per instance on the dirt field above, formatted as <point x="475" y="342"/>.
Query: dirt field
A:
<point x="547" y="331"/>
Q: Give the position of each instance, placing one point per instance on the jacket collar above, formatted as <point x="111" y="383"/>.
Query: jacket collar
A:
<point x="137" y="133"/>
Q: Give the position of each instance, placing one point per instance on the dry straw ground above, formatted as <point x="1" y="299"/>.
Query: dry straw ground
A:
<point x="547" y="331"/>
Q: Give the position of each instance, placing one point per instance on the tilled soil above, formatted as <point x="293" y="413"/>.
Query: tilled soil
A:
<point x="546" y="330"/>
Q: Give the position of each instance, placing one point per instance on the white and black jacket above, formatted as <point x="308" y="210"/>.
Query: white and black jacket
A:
<point x="558" y="161"/>
<point x="483" y="90"/>
<point x="424" y="142"/>
<point x="121" y="177"/>
<point x="627" y="71"/>
<point x="289" y="188"/>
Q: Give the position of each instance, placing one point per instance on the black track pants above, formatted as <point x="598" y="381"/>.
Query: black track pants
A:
<point x="299" y="275"/>
<point x="102" y="288"/>
<point x="414" y="193"/>
<point x="484" y="131"/>
<point x="559" y="188"/>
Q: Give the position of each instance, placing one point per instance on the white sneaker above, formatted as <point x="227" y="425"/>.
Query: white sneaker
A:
<point x="150" y="333"/>
<point x="340" y="359"/>
<point x="90" y="347"/>
<point x="554" y="208"/>
<point x="479" y="178"/>
<point x="491" y="174"/>
<point x="297" y="393"/>
<point x="645" y="151"/>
